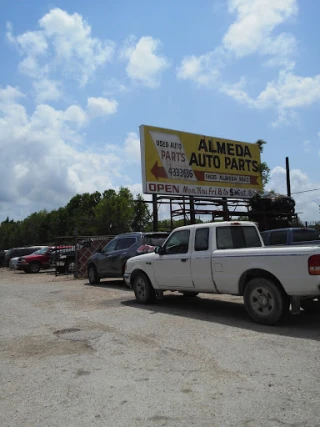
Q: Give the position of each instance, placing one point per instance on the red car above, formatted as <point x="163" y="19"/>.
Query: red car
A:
<point x="37" y="261"/>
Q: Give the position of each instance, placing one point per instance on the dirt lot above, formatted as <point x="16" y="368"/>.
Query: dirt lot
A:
<point x="78" y="355"/>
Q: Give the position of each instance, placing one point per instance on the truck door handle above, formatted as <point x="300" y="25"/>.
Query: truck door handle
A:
<point x="184" y="259"/>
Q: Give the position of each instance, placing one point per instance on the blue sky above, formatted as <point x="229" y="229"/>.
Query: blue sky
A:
<point x="78" y="78"/>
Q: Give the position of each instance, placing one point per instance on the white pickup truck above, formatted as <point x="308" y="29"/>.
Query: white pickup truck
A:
<point x="230" y="258"/>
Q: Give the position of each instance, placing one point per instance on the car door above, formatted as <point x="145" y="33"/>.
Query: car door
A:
<point x="115" y="256"/>
<point x="103" y="262"/>
<point x="172" y="269"/>
<point x="201" y="261"/>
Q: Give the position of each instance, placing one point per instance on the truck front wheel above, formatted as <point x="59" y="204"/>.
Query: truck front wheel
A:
<point x="143" y="289"/>
<point x="265" y="302"/>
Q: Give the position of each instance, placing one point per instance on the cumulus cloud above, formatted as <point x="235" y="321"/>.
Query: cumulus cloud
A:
<point x="287" y="93"/>
<point x="45" y="160"/>
<point x="250" y="33"/>
<point x="64" y="44"/>
<point x="145" y="62"/>
<point x="203" y="69"/>
<point x="132" y="148"/>
<point x="47" y="90"/>
<point x="255" y="23"/>
<point x="101" y="106"/>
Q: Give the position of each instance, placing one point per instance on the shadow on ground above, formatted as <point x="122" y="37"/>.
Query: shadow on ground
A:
<point x="230" y="313"/>
<point x="117" y="284"/>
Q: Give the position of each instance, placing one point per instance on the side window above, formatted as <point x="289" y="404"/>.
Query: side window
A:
<point x="304" y="235"/>
<point x="224" y="238"/>
<point x="178" y="242"/>
<point x="110" y="247"/>
<point x="237" y="237"/>
<point x="125" y="243"/>
<point x="201" y="242"/>
<point x="278" y="238"/>
<point x="251" y="237"/>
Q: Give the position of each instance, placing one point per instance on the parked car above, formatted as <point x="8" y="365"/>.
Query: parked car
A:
<point x="13" y="263"/>
<point x="18" y="252"/>
<point x="2" y="254"/>
<point x="291" y="236"/>
<point x="37" y="261"/>
<point x="111" y="260"/>
<point x="64" y="260"/>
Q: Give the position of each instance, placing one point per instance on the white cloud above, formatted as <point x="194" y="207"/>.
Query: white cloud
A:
<point x="10" y="94"/>
<point x="203" y="69"/>
<point x="42" y="165"/>
<point x="251" y="33"/>
<point x="254" y="24"/>
<point x="307" y="204"/>
<point x="63" y="44"/>
<point x="145" y="63"/>
<point x="286" y="94"/>
<point x="47" y="90"/>
<point x="132" y="148"/>
<point x="101" y="106"/>
<point x="46" y="160"/>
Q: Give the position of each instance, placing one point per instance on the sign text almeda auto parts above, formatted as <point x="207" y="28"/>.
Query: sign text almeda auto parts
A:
<point x="187" y="164"/>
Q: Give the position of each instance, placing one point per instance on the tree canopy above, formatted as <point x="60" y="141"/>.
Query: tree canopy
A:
<point x="86" y="214"/>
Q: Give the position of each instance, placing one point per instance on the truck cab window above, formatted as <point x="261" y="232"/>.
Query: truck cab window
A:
<point x="237" y="237"/>
<point x="178" y="242"/>
<point x="201" y="242"/>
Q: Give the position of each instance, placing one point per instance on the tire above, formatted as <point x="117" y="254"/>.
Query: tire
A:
<point x="70" y="267"/>
<point x="265" y="302"/>
<point x="34" y="267"/>
<point x="92" y="275"/>
<point x="310" y="305"/>
<point x="143" y="290"/>
<point x="190" y="294"/>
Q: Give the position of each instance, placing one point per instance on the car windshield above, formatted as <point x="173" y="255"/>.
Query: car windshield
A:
<point x="41" y="251"/>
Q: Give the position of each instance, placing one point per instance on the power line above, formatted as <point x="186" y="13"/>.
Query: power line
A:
<point x="306" y="191"/>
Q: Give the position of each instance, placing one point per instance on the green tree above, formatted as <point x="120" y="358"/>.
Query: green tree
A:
<point x="141" y="216"/>
<point x="115" y="212"/>
<point x="263" y="167"/>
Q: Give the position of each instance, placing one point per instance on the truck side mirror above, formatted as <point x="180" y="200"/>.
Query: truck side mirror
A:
<point x="160" y="250"/>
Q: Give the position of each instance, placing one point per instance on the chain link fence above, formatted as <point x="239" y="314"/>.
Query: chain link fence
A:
<point x="73" y="253"/>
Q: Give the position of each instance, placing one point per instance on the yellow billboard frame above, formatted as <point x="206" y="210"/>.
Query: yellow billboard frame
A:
<point x="187" y="164"/>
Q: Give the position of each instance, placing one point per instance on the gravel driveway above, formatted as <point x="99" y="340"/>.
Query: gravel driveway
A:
<point x="72" y="354"/>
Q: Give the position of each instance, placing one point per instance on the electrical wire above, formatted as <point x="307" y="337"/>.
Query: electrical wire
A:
<point x="306" y="191"/>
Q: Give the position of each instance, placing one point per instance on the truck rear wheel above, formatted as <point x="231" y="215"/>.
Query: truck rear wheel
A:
<point x="143" y="289"/>
<point x="265" y="302"/>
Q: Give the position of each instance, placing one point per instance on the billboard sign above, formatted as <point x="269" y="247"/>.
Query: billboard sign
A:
<point x="187" y="164"/>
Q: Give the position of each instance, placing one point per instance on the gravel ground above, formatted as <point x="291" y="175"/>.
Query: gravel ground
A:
<point x="78" y="355"/>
